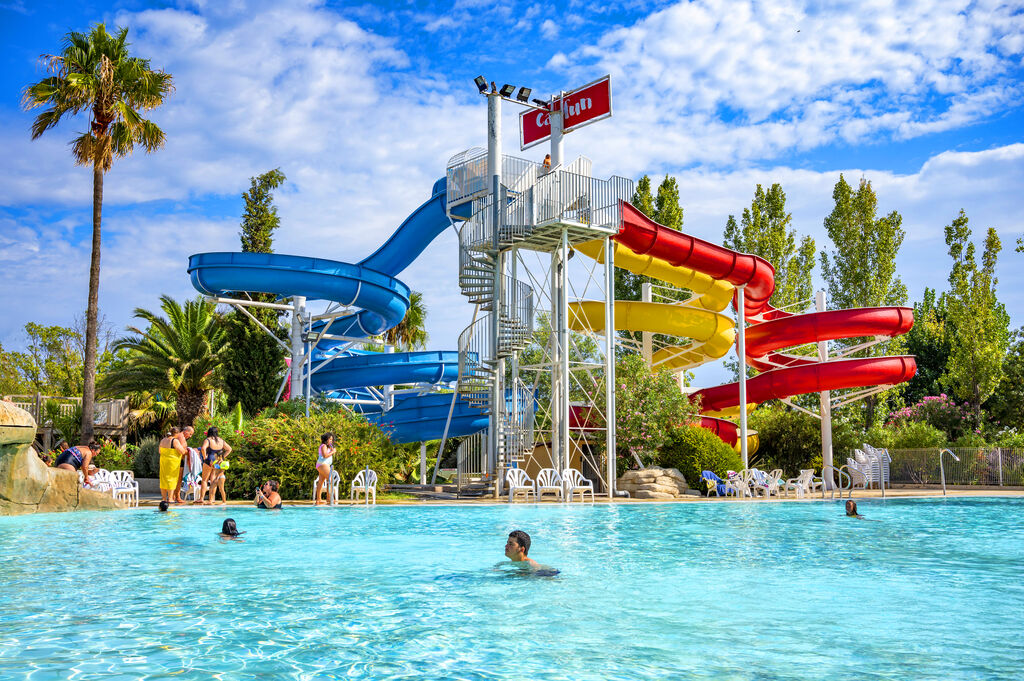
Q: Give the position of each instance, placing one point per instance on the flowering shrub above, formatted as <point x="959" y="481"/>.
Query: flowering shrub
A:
<point x="942" y="412"/>
<point x="115" y="457"/>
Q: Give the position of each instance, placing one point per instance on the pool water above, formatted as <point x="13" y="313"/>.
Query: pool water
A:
<point x="719" y="591"/>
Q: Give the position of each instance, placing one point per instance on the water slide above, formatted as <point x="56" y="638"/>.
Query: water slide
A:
<point x="641" y="240"/>
<point x="382" y="300"/>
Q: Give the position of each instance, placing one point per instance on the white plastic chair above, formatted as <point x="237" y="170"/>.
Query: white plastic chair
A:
<point x="736" y="484"/>
<point x="125" y="487"/>
<point x="549" y="482"/>
<point x="101" y="481"/>
<point x="364" y="483"/>
<point x="757" y="482"/>
<point x="332" y="485"/>
<point x="192" y="482"/>
<point x="518" y="481"/>
<point x="802" y="483"/>
<point x="573" y="482"/>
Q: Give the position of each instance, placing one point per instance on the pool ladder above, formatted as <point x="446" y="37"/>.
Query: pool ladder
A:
<point x="842" y="472"/>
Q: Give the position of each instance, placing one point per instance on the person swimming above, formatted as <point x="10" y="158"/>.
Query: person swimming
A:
<point x="516" y="549"/>
<point x="267" y="496"/>
<point x="229" y="530"/>
<point x="163" y="506"/>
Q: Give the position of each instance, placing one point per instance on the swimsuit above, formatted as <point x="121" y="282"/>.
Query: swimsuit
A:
<point x="72" y="456"/>
<point x="212" y="454"/>
<point x="264" y="506"/>
<point x="321" y="459"/>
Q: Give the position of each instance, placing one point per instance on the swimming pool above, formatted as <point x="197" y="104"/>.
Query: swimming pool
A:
<point x="703" y="591"/>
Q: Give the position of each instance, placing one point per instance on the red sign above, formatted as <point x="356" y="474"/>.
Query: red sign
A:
<point x="582" y="106"/>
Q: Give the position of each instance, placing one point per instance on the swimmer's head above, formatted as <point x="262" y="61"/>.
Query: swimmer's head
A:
<point x="518" y="545"/>
<point x="164" y="506"/>
<point x="229" y="528"/>
<point x="851" y="507"/>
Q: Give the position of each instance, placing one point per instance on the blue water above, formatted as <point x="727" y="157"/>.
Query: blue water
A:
<point x="717" y="591"/>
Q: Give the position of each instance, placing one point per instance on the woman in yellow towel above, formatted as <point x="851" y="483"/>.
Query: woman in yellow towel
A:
<point x="171" y="451"/>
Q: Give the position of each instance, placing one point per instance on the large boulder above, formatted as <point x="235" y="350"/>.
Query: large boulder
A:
<point x="653" y="483"/>
<point x="27" y="485"/>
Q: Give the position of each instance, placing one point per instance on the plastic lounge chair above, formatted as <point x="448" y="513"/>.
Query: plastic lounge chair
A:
<point x="757" y="481"/>
<point x="859" y="476"/>
<point x="774" y="480"/>
<point x="574" y="482"/>
<point x="519" y="482"/>
<point x="549" y="482"/>
<point x="714" y="484"/>
<point x="802" y="483"/>
<point x="125" y="487"/>
<point x="364" y="483"/>
<point x="736" y="483"/>
<point x="101" y="481"/>
<point x="332" y="484"/>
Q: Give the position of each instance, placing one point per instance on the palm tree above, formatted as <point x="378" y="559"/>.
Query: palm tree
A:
<point x="95" y="73"/>
<point x="181" y="354"/>
<point x="411" y="332"/>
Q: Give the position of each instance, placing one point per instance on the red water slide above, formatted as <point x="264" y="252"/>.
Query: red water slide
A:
<point x="771" y="329"/>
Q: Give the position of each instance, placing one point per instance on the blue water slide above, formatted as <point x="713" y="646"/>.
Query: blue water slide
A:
<point x="383" y="300"/>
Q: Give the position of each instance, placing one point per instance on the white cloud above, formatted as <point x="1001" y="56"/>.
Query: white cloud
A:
<point x="549" y="29"/>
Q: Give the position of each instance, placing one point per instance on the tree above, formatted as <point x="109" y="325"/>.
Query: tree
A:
<point x="1005" y="407"/>
<point x="765" y="231"/>
<point x="411" y="332"/>
<point x="861" y="271"/>
<point x="254" y="362"/>
<point x="12" y="378"/>
<point x="928" y="341"/>
<point x="974" y="367"/>
<point x="95" y="73"/>
<point x="179" y="354"/>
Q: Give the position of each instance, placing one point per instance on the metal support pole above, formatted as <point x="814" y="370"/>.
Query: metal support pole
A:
<point x="556" y="133"/>
<point x="298" y="314"/>
<point x="563" y="342"/>
<point x="825" y="402"/>
<point x="494" y="170"/>
<point x="555" y="451"/>
<point x="647" y="338"/>
<point x="609" y="363"/>
<point x="309" y="375"/>
<point x="423" y="463"/>
<point x="999" y="453"/>
<point x="741" y="349"/>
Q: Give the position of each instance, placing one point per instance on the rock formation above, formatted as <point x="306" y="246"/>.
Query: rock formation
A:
<point x="653" y="483"/>
<point x="27" y="485"/>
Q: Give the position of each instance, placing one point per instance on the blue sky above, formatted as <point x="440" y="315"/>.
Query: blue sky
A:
<point x="361" y="105"/>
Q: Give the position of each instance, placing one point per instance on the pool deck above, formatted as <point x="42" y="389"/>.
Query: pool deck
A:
<point x="903" y="492"/>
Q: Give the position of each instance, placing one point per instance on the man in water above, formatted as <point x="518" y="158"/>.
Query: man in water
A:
<point x="516" y="548"/>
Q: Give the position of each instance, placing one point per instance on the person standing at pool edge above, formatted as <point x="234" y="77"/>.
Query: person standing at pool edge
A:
<point x="517" y="546"/>
<point x="214" y="451"/>
<point x="171" y="451"/>
<point x="324" y="460"/>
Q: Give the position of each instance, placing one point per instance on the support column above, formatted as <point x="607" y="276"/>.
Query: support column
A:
<point x="423" y="463"/>
<point x="556" y="133"/>
<point x="825" y="403"/>
<point x="555" y="451"/>
<point x="563" y="342"/>
<point x="741" y="350"/>
<point x="609" y="363"/>
<point x="494" y="171"/>
<point x="646" y="337"/>
<point x="298" y="315"/>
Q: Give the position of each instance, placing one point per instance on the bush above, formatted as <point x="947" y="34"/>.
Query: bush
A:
<point x="789" y="440"/>
<point x="284" y="448"/>
<point x="146" y="463"/>
<point x="114" y="457"/>
<point x="916" y="436"/>
<point x="941" y="412"/>
<point x="692" y="449"/>
<point x="969" y="439"/>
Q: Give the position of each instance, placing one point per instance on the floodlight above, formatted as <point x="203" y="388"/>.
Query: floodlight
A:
<point x="524" y="94"/>
<point x="481" y="84"/>
<point x="507" y="90"/>
<point x="541" y="103"/>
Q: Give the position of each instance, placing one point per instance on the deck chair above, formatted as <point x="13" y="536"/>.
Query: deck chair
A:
<point x="758" y="483"/>
<point x="549" y="482"/>
<point x="125" y="487"/>
<point x="332" y="484"/>
<point x="365" y="483"/>
<point x="519" y="483"/>
<point x="573" y="482"/>
<point x="713" y="483"/>
<point x="192" y="483"/>
<point x="802" y="484"/>
<point x="737" y="483"/>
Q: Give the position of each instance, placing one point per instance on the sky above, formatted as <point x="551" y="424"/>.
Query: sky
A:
<point x="362" y="105"/>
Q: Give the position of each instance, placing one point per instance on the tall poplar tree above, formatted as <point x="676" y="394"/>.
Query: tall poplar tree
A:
<point x="861" y="271"/>
<point x="254" y="362"/>
<point x="977" y="349"/>
<point x="928" y="341"/>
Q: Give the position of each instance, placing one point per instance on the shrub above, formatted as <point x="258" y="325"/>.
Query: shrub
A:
<point x="146" y="463"/>
<point x="284" y="448"/>
<point x="916" y="435"/>
<point x="114" y="457"/>
<point x="692" y="449"/>
<point x="969" y="439"/>
<point x="789" y="440"/>
<point x="1009" y="438"/>
<point x="941" y="412"/>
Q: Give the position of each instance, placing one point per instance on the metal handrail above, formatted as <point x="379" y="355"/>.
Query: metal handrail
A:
<point x="832" y="488"/>
<point x="942" y="470"/>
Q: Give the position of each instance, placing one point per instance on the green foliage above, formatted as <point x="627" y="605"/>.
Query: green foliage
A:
<point x="69" y="424"/>
<point x="147" y="458"/>
<point x="788" y="439"/>
<point x="692" y="449"/>
<point x="861" y="271"/>
<point x="276" y="446"/>
<point x="1005" y="407"/>
<point x="906" y="435"/>
<point x="115" y="457"/>
<point x="260" y="218"/>
<point x="974" y="367"/>
<point x="253" y="361"/>
<point x="929" y="342"/>
<point x="969" y="439"/>
<point x="765" y="230"/>
<point x="942" y="413"/>
<point x="181" y="354"/>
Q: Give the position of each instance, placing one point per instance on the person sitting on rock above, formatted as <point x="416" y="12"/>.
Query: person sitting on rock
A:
<point x="78" y="458"/>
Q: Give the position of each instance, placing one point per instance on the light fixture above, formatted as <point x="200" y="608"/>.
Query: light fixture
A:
<point x="481" y="84"/>
<point x="507" y="90"/>
<point x="541" y="103"/>
<point x="524" y="94"/>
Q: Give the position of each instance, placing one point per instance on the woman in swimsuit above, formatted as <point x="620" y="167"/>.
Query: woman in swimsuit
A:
<point x="214" y="451"/>
<point x="267" y="497"/>
<point x="171" y="451"/>
<point x="324" y="459"/>
<point x="78" y="458"/>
